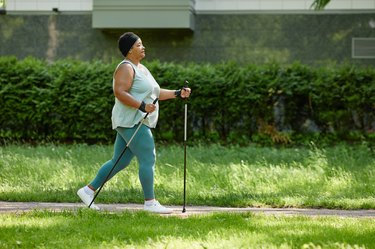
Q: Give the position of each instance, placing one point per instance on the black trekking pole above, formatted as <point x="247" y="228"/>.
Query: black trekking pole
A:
<point x="122" y="153"/>
<point x="185" y="138"/>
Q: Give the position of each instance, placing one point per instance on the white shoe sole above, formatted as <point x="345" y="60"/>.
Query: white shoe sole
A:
<point x="84" y="198"/>
<point x="158" y="211"/>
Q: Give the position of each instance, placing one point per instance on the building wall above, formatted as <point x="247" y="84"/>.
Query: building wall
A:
<point x="245" y="31"/>
<point x="200" y="5"/>
<point x="281" y="5"/>
<point x="246" y="38"/>
<point x="48" y="5"/>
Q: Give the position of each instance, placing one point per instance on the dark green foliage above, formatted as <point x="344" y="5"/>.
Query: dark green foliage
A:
<point x="319" y="4"/>
<point x="71" y="101"/>
<point x="65" y="101"/>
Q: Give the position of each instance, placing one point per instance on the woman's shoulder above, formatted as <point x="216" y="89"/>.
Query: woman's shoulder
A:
<point x="126" y="63"/>
<point x="124" y="68"/>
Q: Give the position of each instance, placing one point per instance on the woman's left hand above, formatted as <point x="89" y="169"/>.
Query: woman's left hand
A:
<point x="185" y="92"/>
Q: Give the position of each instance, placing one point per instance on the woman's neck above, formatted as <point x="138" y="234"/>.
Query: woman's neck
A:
<point x="132" y="60"/>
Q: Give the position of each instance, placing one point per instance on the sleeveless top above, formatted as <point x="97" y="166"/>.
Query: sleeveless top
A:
<point x="144" y="88"/>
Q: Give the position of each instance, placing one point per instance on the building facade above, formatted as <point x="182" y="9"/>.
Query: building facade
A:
<point x="244" y="31"/>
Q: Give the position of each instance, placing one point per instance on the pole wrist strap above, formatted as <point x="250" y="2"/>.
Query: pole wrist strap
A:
<point x="177" y="93"/>
<point x="142" y="107"/>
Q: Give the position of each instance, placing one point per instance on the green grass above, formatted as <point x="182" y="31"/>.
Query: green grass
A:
<point x="335" y="177"/>
<point x="89" y="229"/>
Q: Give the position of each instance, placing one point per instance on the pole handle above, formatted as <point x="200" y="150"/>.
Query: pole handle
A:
<point x="154" y="102"/>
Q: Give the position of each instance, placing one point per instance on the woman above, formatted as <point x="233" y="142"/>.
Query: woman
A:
<point x="135" y="89"/>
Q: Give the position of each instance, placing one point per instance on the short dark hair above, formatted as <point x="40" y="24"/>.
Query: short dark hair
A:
<point x="126" y="42"/>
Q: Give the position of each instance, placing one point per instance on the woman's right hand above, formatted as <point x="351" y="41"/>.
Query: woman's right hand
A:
<point x="150" y="108"/>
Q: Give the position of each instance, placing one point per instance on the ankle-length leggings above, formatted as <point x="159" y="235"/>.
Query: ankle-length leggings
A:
<point x="142" y="147"/>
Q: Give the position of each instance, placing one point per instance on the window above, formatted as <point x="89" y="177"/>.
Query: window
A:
<point x="363" y="48"/>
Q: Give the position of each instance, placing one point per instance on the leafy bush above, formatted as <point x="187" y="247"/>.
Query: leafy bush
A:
<point x="71" y="101"/>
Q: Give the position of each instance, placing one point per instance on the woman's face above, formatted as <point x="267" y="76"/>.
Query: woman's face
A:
<point x="138" y="50"/>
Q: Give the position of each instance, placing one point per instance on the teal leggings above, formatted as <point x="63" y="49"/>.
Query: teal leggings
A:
<point x="142" y="147"/>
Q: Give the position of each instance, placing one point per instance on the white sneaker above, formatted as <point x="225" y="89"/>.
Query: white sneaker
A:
<point x="87" y="198"/>
<point x="155" y="207"/>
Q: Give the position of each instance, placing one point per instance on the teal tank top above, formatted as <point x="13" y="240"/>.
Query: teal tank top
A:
<point x="144" y="88"/>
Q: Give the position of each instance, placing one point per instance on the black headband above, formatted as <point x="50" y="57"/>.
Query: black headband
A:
<point x="126" y="42"/>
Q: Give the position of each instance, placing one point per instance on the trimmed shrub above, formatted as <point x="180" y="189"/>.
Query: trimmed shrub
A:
<point x="71" y="101"/>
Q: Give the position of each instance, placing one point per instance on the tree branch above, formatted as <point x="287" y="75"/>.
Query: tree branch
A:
<point x="319" y="4"/>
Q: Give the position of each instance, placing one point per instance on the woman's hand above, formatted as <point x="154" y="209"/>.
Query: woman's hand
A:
<point x="185" y="92"/>
<point x="150" y="108"/>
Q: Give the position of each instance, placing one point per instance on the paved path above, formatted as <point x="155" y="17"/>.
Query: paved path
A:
<point x="17" y="207"/>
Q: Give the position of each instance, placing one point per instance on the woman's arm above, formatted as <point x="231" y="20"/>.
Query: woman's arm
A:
<point x="171" y="94"/>
<point x="166" y="94"/>
<point x="123" y="82"/>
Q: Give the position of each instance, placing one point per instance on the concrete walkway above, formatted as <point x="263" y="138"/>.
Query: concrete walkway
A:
<point x="18" y="207"/>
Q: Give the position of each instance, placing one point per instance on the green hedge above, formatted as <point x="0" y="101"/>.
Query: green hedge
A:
<point x="71" y="101"/>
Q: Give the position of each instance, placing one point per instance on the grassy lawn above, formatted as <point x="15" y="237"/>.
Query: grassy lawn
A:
<point x="90" y="229"/>
<point x="335" y="177"/>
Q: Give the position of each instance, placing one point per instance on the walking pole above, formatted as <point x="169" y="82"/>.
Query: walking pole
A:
<point x="122" y="153"/>
<point x="185" y="135"/>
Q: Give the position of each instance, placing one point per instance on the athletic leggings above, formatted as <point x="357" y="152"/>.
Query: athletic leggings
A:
<point x="142" y="147"/>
